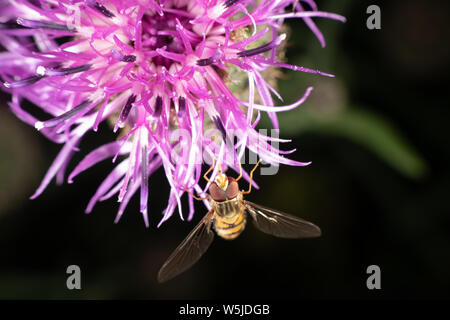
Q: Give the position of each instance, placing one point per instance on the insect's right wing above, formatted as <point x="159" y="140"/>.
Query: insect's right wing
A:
<point x="189" y="251"/>
<point x="280" y="224"/>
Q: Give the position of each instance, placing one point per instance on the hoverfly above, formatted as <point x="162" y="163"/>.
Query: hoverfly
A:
<point x="228" y="217"/>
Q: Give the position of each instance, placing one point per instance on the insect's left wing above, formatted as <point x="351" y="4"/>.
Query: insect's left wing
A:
<point x="280" y="224"/>
<point x="189" y="251"/>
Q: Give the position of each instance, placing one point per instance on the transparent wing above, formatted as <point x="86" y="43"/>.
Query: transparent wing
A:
<point x="280" y="224"/>
<point x="189" y="251"/>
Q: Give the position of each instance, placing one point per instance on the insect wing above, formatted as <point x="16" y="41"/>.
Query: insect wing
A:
<point x="189" y="251"/>
<point x="280" y="224"/>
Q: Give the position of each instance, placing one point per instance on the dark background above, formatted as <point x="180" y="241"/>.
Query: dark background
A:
<point x="378" y="187"/>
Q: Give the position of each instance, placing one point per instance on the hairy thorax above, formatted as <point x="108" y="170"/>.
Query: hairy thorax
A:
<point x="230" y="217"/>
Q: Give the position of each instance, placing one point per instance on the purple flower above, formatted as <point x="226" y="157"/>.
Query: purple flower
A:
<point x="160" y="71"/>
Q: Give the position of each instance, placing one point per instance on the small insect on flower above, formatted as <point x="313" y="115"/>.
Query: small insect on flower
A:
<point x="162" y="75"/>
<point x="228" y="215"/>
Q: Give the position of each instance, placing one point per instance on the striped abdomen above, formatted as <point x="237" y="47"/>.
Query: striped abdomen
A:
<point x="229" y="219"/>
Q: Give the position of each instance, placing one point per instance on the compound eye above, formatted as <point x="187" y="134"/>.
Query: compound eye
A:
<point x="233" y="188"/>
<point x="216" y="193"/>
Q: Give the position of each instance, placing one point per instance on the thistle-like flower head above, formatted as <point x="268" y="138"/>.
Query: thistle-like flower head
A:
<point x="161" y="72"/>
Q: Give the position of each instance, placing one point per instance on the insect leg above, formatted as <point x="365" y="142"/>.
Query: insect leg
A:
<point x="240" y="171"/>
<point x="251" y="178"/>
<point x="209" y="170"/>
<point x="196" y="198"/>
